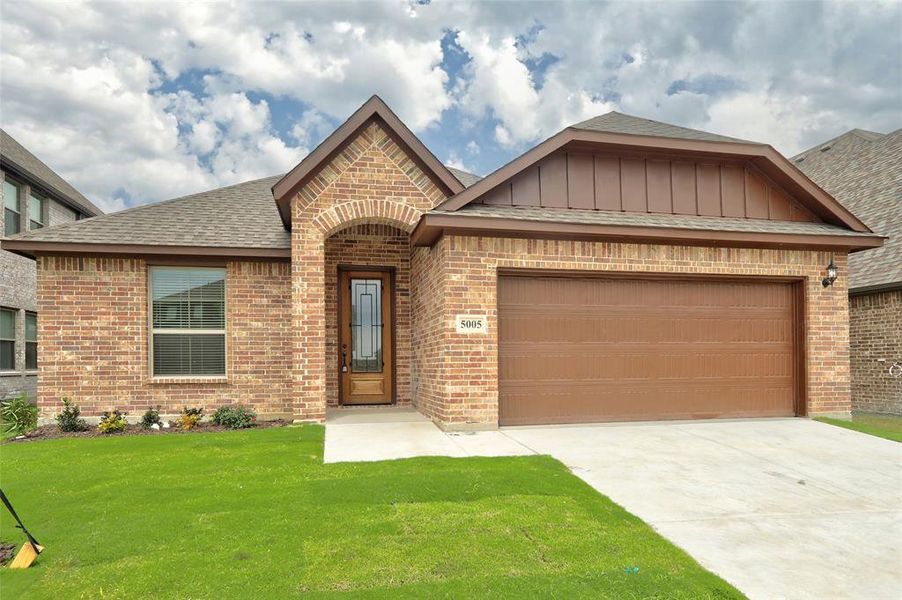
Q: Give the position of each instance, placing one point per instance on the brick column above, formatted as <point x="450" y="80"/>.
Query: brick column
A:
<point x="309" y="322"/>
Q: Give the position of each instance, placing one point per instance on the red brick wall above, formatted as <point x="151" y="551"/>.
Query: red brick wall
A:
<point x="875" y="331"/>
<point x="93" y="333"/>
<point x="469" y="391"/>
<point x="373" y="181"/>
<point x="379" y="246"/>
<point x="428" y="286"/>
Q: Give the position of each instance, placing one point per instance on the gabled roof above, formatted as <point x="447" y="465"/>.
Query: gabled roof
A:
<point x="238" y="220"/>
<point x="467" y="179"/>
<point x="863" y="170"/>
<point x="28" y="166"/>
<point x="286" y="187"/>
<point x="615" y="122"/>
<point x="630" y="134"/>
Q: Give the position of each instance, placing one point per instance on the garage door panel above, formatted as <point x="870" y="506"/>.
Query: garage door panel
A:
<point x="589" y="349"/>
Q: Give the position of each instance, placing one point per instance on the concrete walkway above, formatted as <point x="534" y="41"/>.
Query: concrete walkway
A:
<point x="780" y="508"/>
<point x="368" y="434"/>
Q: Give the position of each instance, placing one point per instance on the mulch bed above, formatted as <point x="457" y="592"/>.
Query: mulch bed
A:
<point x="47" y="432"/>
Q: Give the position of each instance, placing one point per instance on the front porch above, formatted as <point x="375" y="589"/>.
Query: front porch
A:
<point x="363" y="434"/>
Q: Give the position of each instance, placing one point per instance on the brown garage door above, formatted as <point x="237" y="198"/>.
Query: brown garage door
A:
<point x="584" y="349"/>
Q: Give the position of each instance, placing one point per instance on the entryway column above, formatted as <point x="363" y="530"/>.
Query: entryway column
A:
<point x="309" y="322"/>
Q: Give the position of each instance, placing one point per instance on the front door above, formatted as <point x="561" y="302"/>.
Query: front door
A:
<point x="365" y="331"/>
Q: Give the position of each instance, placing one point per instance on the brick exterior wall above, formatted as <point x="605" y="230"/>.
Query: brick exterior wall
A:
<point x="377" y="246"/>
<point x="875" y="331"/>
<point x="93" y="328"/>
<point x="372" y="180"/>
<point x="467" y="393"/>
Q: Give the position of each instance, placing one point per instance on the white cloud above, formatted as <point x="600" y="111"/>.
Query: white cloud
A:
<point x="92" y="88"/>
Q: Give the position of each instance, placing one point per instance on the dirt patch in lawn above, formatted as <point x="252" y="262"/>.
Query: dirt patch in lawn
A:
<point x="47" y="432"/>
<point x="7" y="551"/>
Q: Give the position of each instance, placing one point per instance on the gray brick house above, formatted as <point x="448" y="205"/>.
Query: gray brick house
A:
<point x="34" y="196"/>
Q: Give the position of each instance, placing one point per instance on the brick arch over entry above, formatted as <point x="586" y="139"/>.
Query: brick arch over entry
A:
<point x="382" y="212"/>
<point x="372" y="180"/>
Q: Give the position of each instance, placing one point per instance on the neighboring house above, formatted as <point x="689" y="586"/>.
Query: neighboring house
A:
<point x="863" y="170"/>
<point x="34" y="197"/>
<point x="622" y="269"/>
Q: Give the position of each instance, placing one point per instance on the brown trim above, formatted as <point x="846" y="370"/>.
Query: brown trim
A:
<point x="392" y="271"/>
<point x="433" y="226"/>
<point x="800" y="304"/>
<point x="286" y="187"/>
<point x="781" y="170"/>
<point x="876" y="288"/>
<point x="32" y="249"/>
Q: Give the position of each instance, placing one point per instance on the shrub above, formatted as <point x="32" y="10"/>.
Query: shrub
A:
<point x="234" y="417"/>
<point x="69" y="420"/>
<point x="151" y="417"/>
<point x="190" y="417"/>
<point x="18" y="415"/>
<point x="112" y="421"/>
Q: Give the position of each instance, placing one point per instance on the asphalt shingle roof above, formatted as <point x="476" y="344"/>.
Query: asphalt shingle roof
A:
<point x="863" y="170"/>
<point x="615" y="122"/>
<point x="243" y="215"/>
<point x="238" y="216"/>
<point x="19" y="156"/>
<point x="608" y="217"/>
<point x="467" y="179"/>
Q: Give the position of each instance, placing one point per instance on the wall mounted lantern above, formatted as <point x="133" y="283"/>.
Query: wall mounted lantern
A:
<point x="831" y="274"/>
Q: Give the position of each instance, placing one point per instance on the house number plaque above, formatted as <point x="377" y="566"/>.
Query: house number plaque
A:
<point x="470" y="323"/>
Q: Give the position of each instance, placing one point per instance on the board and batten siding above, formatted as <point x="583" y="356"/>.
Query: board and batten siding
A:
<point x="649" y="184"/>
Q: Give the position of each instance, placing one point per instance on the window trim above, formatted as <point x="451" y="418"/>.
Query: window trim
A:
<point x="15" y="313"/>
<point x="32" y="196"/>
<point x="151" y="331"/>
<point x="19" y="187"/>
<point x="29" y="313"/>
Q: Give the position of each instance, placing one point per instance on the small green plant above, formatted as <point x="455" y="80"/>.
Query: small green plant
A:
<point x="69" y="420"/>
<point x="151" y="418"/>
<point x="112" y="421"/>
<point x="234" y="417"/>
<point x="190" y="418"/>
<point x="18" y="415"/>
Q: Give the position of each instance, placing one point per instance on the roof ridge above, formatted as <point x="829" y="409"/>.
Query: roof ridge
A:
<point x="851" y="132"/>
<point x="588" y="124"/>
<point x="70" y="225"/>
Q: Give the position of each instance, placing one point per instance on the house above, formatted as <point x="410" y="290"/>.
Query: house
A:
<point x="863" y="170"/>
<point x="621" y="269"/>
<point x="34" y="197"/>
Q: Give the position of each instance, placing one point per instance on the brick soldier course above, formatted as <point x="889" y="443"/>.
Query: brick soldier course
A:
<point x="372" y="196"/>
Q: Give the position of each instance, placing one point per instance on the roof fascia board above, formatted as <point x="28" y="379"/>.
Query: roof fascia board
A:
<point x="374" y="107"/>
<point x="431" y="227"/>
<point x="32" y="249"/>
<point x="701" y="148"/>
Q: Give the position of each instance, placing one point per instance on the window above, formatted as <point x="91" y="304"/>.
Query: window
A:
<point x="36" y="211"/>
<point x="187" y="321"/>
<point x="11" y="208"/>
<point x="31" y="341"/>
<point x="7" y="339"/>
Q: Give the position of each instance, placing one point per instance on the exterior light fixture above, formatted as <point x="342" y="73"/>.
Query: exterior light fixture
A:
<point x="831" y="274"/>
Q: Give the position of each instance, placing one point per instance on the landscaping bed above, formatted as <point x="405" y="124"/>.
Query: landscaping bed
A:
<point x="47" y="432"/>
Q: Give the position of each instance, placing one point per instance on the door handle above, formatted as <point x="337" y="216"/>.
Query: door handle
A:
<point x="344" y="360"/>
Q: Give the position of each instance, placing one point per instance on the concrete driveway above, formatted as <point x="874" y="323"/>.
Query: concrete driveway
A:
<point x="779" y="508"/>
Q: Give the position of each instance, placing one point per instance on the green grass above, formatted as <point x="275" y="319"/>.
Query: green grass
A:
<point x="257" y="514"/>
<point x="885" y="426"/>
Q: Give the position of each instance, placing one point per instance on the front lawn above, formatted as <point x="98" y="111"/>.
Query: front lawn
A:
<point x="885" y="426"/>
<point x="256" y="514"/>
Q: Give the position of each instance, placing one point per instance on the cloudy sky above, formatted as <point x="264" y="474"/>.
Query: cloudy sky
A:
<point x="135" y="102"/>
